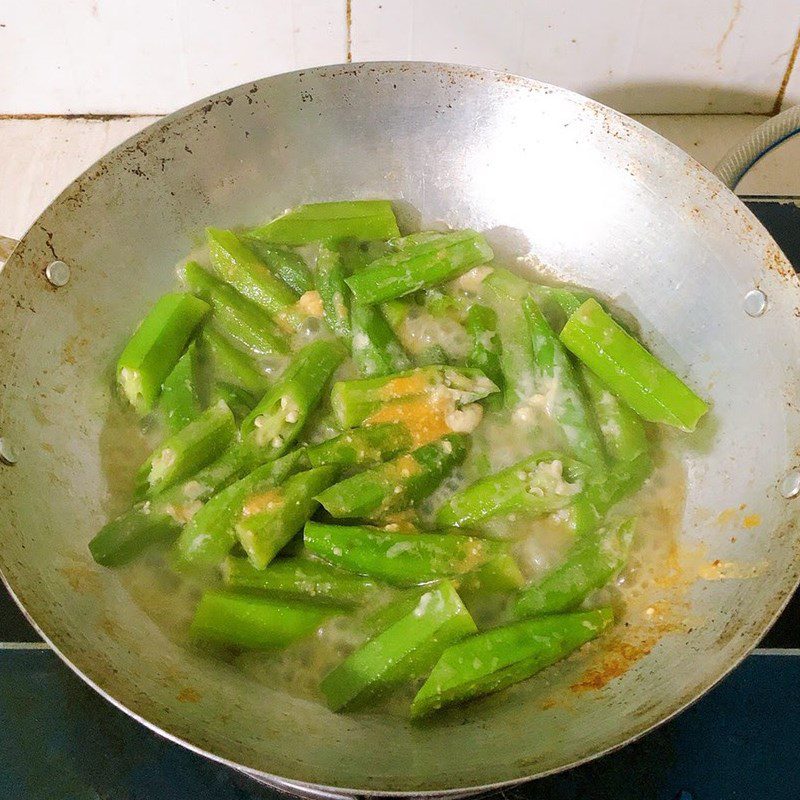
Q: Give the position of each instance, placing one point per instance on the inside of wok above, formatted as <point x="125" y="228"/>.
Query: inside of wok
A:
<point x="595" y="197"/>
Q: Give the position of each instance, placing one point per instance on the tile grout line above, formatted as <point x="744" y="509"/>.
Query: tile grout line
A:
<point x="89" y="117"/>
<point x="787" y="75"/>
<point x="348" y="27"/>
<point x="100" y="117"/>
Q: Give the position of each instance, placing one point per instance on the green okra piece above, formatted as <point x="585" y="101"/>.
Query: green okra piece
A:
<point x="589" y="564"/>
<point x="155" y="348"/>
<point x="404" y="242"/>
<point x="399" y="558"/>
<point x="280" y="415"/>
<point x="623" y="432"/>
<point x="333" y="290"/>
<point x="287" y="265"/>
<point x="432" y="355"/>
<point x="497" y="658"/>
<point x="299" y="578"/>
<point x="440" y="304"/>
<point x="358" y="255"/>
<point x="354" y="401"/>
<point x="376" y="349"/>
<point x="211" y="532"/>
<point x="253" y="622"/>
<point x="395" y="312"/>
<point x="232" y="365"/>
<point x="481" y="325"/>
<point x="239" y="266"/>
<point x="234" y="314"/>
<point x="270" y="519"/>
<point x="356" y="219"/>
<point x="126" y="536"/>
<point x="500" y="573"/>
<point x="557" y="303"/>
<point x="180" y="401"/>
<point x="189" y="450"/>
<point x="238" y="400"/>
<point x="603" y="491"/>
<point x="419" y="265"/>
<point x="162" y="518"/>
<point x="505" y="293"/>
<point x="556" y="381"/>
<point x="629" y="370"/>
<point x="362" y="447"/>
<point x="395" y="484"/>
<point x="540" y="484"/>
<point x="402" y="652"/>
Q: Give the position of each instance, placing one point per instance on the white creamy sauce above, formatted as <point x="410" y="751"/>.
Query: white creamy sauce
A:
<point x="421" y="330"/>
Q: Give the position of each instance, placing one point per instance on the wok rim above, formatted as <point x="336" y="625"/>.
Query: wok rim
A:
<point x="310" y="789"/>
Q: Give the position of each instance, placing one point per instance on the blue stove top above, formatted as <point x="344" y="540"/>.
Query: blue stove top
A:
<point x="60" y="741"/>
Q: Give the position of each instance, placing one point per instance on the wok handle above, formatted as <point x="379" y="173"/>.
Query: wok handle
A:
<point x="738" y="160"/>
<point x="6" y="249"/>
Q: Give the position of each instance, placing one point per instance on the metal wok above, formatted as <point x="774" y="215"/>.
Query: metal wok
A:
<point x="598" y="200"/>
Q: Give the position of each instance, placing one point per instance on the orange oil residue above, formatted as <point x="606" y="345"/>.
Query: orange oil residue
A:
<point x="718" y="570"/>
<point x="262" y="502"/>
<point x="404" y="467"/>
<point x="310" y="303"/>
<point x="405" y="521"/>
<point x="425" y="416"/>
<point x="625" y="646"/>
<point x="651" y="599"/>
<point x="405" y="385"/>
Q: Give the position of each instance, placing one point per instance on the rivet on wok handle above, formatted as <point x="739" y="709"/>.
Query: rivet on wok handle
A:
<point x="8" y="455"/>
<point x="790" y="485"/>
<point x="57" y="273"/>
<point x="755" y="303"/>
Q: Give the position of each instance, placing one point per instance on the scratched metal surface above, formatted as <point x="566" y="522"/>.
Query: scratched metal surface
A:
<point x="58" y="739"/>
<point x="599" y="200"/>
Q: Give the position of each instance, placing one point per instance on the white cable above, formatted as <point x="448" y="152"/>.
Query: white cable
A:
<point x="738" y="160"/>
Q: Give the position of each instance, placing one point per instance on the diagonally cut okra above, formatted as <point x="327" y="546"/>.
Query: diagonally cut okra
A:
<point x="419" y="265"/>
<point x="494" y="659"/>
<point x="357" y="219"/>
<point x="589" y="564"/>
<point x="630" y="371"/>
<point x="247" y="621"/>
<point x="395" y="484"/>
<point x="156" y="346"/>
<point x="189" y="450"/>
<point x="402" y="652"/>
<point x="236" y="315"/>
<point x="237" y="264"/>
<point x="270" y="519"/>
<point x="180" y="401"/>
<point x="399" y="558"/>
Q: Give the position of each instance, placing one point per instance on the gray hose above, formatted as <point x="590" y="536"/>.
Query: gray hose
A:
<point x="738" y="160"/>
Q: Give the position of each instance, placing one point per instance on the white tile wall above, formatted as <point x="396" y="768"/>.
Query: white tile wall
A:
<point x="39" y="158"/>
<point x="641" y="56"/>
<point x="151" y="56"/>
